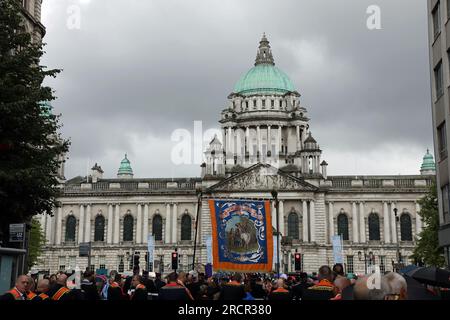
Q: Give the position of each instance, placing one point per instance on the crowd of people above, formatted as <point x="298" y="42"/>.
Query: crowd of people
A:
<point x="327" y="284"/>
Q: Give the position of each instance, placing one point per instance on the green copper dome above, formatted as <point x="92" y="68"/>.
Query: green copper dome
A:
<point x="46" y="109"/>
<point x="428" y="162"/>
<point x="264" y="77"/>
<point x="125" y="167"/>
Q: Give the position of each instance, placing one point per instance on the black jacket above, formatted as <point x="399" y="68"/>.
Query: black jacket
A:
<point x="232" y="291"/>
<point x="90" y="290"/>
<point x="172" y="292"/>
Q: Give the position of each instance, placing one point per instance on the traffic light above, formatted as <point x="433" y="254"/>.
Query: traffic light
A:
<point x="174" y="260"/>
<point x="136" y="260"/>
<point x="298" y="264"/>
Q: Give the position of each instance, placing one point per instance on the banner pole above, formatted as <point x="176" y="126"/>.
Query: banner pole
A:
<point x="199" y="204"/>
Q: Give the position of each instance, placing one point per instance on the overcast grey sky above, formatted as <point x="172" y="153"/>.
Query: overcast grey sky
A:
<point x="136" y="70"/>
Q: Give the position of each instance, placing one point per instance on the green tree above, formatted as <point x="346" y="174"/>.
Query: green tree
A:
<point x="29" y="140"/>
<point x="36" y="243"/>
<point x="427" y="248"/>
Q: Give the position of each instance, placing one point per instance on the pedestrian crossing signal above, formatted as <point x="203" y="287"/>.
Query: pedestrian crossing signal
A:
<point x="298" y="265"/>
<point x="174" y="261"/>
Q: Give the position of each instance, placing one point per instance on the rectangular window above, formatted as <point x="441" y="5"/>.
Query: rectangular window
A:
<point x="72" y="262"/>
<point x="181" y="266"/>
<point x="382" y="264"/>
<point x="436" y="20"/>
<point x="272" y="103"/>
<point x="161" y="264"/>
<point x="121" y="265"/>
<point x="350" y="264"/>
<point x="62" y="263"/>
<point x="439" y="80"/>
<point x="263" y="103"/>
<point x="442" y="140"/>
<point x="190" y="261"/>
<point x="102" y="262"/>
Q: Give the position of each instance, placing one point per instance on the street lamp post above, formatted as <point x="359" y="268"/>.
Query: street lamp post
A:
<point x="275" y="196"/>
<point x="365" y="258"/>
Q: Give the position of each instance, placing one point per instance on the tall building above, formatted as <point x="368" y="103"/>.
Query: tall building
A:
<point x="439" y="40"/>
<point x="31" y="12"/>
<point x="266" y="144"/>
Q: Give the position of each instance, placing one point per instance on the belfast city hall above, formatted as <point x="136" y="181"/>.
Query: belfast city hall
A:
<point x="266" y="144"/>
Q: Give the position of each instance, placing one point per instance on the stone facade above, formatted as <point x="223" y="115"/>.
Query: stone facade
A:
<point x="266" y="146"/>
<point x="31" y="11"/>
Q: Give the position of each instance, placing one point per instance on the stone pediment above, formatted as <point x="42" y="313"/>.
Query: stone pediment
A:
<point x="262" y="177"/>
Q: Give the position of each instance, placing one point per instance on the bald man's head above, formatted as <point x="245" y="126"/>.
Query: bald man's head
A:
<point x="43" y="286"/>
<point x="62" y="279"/>
<point x="341" y="283"/>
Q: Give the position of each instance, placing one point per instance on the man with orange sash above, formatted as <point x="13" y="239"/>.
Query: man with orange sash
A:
<point x="140" y="291"/>
<point x="19" y="292"/>
<point x="60" y="292"/>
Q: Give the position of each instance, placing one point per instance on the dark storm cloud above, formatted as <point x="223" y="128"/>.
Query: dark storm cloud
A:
<point x="137" y="70"/>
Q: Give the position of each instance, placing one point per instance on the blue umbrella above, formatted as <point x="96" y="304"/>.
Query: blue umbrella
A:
<point x="409" y="268"/>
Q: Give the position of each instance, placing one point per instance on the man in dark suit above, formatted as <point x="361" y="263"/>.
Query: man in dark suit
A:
<point x="280" y="292"/>
<point x="301" y="286"/>
<point x="89" y="287"/>
<point x="138" y="290"/>
<point x="234" y="290"/>
<point x="324" y="289"/>
<point x="172" y="290"/>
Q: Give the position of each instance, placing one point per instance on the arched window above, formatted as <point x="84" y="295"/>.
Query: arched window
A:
<point x="99" y="232"/>
<point x="374" y="227"/>
<point x="186" y="227"/>
<point x="157" y="227"/>
<point x="405" y="227"/>
<point x="70" y="228"/>
<point x="342" y="221"/>
<point x="293" y="225"/>
<point x="128" y="222"/>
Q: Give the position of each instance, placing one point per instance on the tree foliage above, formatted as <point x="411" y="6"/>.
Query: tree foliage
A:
<point x="36" y="243"/>
<point x="427" y="250"/>
<point x="29" y="142"/>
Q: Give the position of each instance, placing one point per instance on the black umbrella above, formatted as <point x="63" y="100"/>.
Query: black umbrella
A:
<point x="431" y="275"/>
<point x="418" y="291"/>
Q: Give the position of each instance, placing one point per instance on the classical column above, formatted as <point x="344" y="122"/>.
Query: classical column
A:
<point x="109" y="236"/>
<point x="418" y="220"/>
<point x="139" y="224"/>
<point x="387" y="229"/>
<point x="393" y="222"/>
<point x="145" y="225"/>
<point x="230" y="142"/>
<point x="269" y="142"/>
<point x="225" y="145"/>
<point x="305" y="221"/>
<point x="247" y="140"/>
<point x="355" y="222"/>
<point x="167" y="229"/>
<point x="87" y="232"/>
<point x="59" y="226"/>
<point x="44" y="222"/>
<point x="174" y="223"/>
<point x="117" y="224"/>
<point x="362" y="224"/>
<point x="258" y="133"/>
<point x="81" y="225"/>
<point x="312" y="216"/>
<point x="279" y="140"/>
<point x="297" y="137"/>
<point x="331" y="220"/>
<point x="273" y="216"/>
<point x="281" y="217"/>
